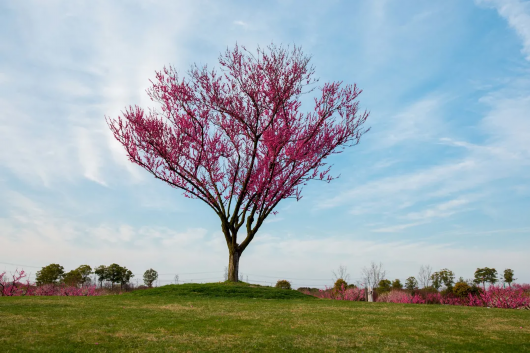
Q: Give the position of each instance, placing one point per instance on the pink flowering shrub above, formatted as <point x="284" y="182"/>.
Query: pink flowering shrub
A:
<point x="395" y="296"/>
<point x="450" y="300"/>
<point x="517" y="296"/>
<point x="353" y="294"/>
<point x="13" y="287"/>
<point x="350" y="294"/>
<point x="401" y="297"/>
<point x="417" y="299"/>
<point x="524" y="287"/>
<point x="505" y="298"/>
<point x="433" y="298"/>
<point x="50" y="289"/>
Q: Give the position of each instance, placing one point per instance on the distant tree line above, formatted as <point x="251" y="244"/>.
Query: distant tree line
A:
<point x="114" y="273"/>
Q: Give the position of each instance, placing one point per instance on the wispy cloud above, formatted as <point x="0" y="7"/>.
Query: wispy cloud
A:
<point x="420" y="121"/>
<point x="397" y="228"/>
<point x="441" y="210"/>
<point x="517" y="13"/>
<point x="241" y="23"/>
<point x="448" y="154"/>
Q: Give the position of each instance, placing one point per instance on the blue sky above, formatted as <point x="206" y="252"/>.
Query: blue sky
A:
<point x="442" y="179"/>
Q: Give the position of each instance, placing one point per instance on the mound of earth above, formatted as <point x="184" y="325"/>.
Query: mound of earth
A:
<point x="223" y="289"/>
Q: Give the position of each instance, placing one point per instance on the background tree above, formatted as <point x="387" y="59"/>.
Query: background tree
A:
<point x="85" y="271"/>
<point x="237" y="140"/>
<point x="396" y="284"/>
<point x="50" y="274"/>
<point x="339" y="283"/>
<point x="126" y="277"/>
<point x="149" y="277"/>
<point x="443" y="277"/>
<point x="508" y="277"/>
<point x="436" y="279"/>
<point x="461" y="289"/>
<point x="73" y="278"/>
<point x="485" y="275"/>
<point x="101" y="272"/>
<point x="283" y="284"/>
<point x="448" y="278"/>
<point x="424" y="276"/>
<point x="383" y="286"/>
<point x="411" y="283"/>
<point x="118" y="274"/>
<point x="342" y="273"/>
<point x="373" y="274"/>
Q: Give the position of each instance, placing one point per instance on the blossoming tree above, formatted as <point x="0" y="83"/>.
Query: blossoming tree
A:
<point x="236" y="138"/>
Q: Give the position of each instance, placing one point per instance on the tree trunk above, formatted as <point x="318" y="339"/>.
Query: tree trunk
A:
<point x="233" y="266"/>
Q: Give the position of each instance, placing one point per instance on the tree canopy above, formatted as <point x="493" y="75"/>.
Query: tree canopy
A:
<point x="50" y="274"/>
<point x="236" y="138"/>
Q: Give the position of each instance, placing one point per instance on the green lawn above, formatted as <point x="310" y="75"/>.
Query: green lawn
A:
<point x="194" y="318"/>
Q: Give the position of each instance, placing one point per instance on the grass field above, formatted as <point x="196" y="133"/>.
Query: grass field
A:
<point x="227" y="318"/>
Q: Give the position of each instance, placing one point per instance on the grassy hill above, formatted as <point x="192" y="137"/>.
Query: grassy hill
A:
<point x="223" y="290"/>
<point x="226" y="318"/>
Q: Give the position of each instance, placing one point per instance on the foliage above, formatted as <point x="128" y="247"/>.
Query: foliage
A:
<point x="411" y="283"/>
<point x="308" y="290"/>
<point x="396" y="284"/>
<point x="283" y="284"/>
<point x="461" y="289"/>
<point x="429" y="289"/>
<point x="485" y="275"/>
<point x="73" y="278"/>
<point x="85" y="271"/>
<point x="339" y="283"/>
<point x="384" y="285"/>
<point x="118" y="274"/>
<point x="101" y="272"/>
<point x="236" y="140"/>
<point x="508" y="276"/>
<point x="149" y="277"/>
<point x="50" y="274"/>
<point x="443" y="277"/>
<point x="114" y="274"/>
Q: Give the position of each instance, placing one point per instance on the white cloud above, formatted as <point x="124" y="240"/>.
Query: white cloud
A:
<point x="401" y="187"/>
<point x="397" y="228"/>
<point x="88" y="155"/>
<point x="505" y="154"/>
<point x="55" y="131"/>
<point x="441" y="210"/>
<point x="241" y="23"/>
<point x="420" y="121"/>
<point x="308" y="261"/>
<point x="273" y="219"/>
<point x="55" y="237"/>
<point x="517" y="13"/>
